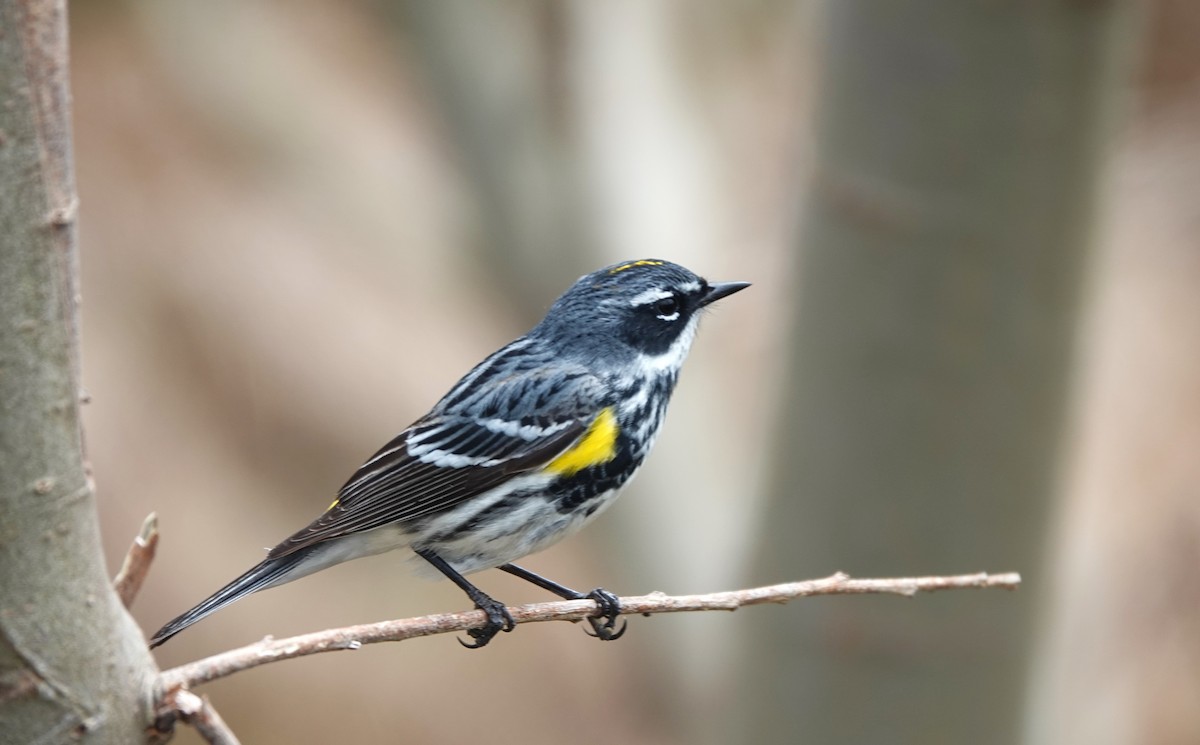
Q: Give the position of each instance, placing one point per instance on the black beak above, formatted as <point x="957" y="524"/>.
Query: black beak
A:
<point x="720" y="290"/>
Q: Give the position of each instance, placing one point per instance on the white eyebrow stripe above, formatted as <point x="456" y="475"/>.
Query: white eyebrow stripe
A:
<point x="687" y="288"/>
<point x="649" y="296"/>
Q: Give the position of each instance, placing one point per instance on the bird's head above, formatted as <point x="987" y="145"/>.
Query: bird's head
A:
<point x="644" y="310"/>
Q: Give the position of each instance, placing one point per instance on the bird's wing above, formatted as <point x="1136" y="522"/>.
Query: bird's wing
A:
<point x="446" y="458"/>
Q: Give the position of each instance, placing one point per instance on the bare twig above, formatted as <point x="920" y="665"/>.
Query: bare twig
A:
<point x="353" y="637"/>
<point x="137" y="561"/>
<point x="198" y="712"/>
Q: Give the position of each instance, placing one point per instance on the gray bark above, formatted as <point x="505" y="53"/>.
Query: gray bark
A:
<point x="73" y="665"/>
<point x="943" y="253"/>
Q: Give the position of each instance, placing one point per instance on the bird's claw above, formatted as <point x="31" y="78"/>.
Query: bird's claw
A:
<point x="604" y="624"/>
<point x="498" y="619"/>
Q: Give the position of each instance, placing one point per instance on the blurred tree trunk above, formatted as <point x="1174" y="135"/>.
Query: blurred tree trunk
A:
<point x="73" y="665"/>
<point x="1123" y="624"/>
<point x="498" y="73"/>
<point x="945" y="245"/>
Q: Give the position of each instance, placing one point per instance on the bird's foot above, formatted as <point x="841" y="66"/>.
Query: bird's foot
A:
<point x="498" y="619"/>
<point x="604" y="624"/>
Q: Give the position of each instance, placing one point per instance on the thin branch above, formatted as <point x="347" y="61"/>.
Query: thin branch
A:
<point x="198" y="712"/>
<point x="137" y="561"/>
<point x="353" y="637"/>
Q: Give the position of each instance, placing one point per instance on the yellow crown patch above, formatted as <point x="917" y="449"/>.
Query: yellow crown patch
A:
<point x="632" y="264"/>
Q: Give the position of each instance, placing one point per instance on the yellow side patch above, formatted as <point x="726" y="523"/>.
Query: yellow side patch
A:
<point x="632" y="264"/>
<point x="334" y="504"/>
<point x="598" y="445"/>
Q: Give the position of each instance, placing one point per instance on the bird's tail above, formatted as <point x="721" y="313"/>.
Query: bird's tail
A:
<point x="267" y="573"/>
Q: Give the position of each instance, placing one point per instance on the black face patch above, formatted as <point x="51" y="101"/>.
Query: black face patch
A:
<point x="654" y="326"/>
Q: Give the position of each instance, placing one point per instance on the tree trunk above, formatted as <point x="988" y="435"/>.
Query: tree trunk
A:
<point x="958" y="152"/>
<point x="497" y="73"/>
<point x="1123" y="623"/>
<point x="73" y="665"/>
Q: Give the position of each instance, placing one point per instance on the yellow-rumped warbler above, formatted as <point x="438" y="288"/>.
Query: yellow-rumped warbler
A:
<point x="533" y="443"/>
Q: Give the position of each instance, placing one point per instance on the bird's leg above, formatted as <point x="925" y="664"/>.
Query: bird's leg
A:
<point x="604" y="623"/>
<point x="498" y="616"/>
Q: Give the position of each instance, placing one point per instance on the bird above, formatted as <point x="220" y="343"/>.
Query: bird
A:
<point x="529" y="446"/>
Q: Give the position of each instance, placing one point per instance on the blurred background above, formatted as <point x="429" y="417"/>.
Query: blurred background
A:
<point x="973" y="343"/>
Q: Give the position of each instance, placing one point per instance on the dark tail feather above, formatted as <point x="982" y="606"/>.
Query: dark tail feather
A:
<point x="265" y="574"/>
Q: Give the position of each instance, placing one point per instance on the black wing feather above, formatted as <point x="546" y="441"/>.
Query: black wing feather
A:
<point x="395" y="486"/>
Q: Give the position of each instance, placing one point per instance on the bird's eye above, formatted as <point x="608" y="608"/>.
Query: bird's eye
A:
<point x="667" y="308"/>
